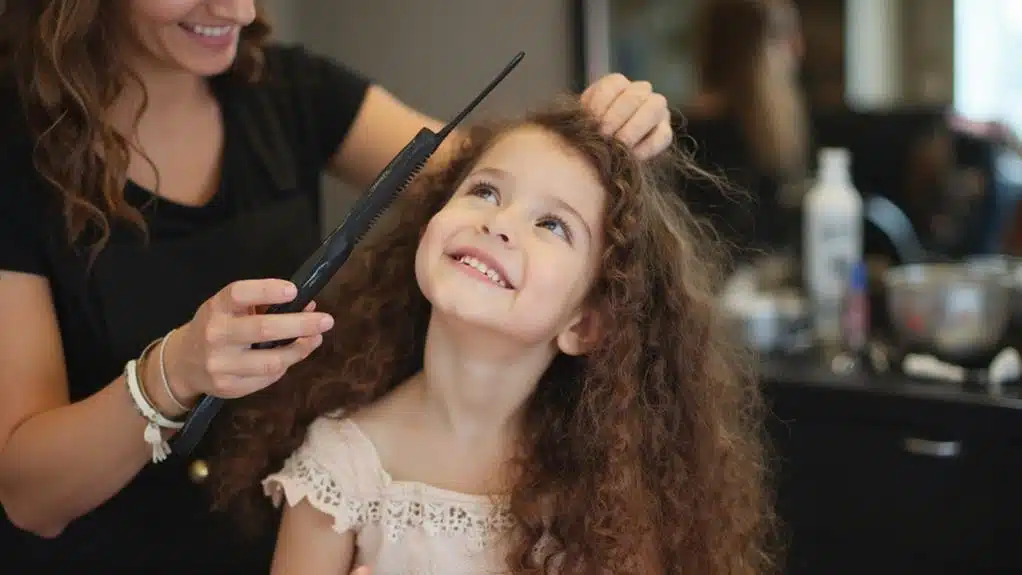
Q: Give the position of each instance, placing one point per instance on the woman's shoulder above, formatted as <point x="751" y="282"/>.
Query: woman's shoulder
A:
<point x="288" y="58"/>
<point x="16" y="167"/>
<point x="295" y="66"/>
<point x="15" y="142"/>
<point x="27" y="215"/>
<point x="308" y="100"/>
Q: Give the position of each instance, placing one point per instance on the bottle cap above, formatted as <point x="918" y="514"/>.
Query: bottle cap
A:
<point x="835" y="156"/>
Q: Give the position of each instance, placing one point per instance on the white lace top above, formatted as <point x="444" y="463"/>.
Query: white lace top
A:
<point x="401" y="527"/>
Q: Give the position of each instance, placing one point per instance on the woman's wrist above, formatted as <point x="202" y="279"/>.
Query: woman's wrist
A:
<point x="170" y="399"/>
<point x="170" y="373"/>
<point x="154" y="389"/>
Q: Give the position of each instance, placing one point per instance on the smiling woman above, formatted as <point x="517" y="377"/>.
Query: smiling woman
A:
<point x="160" y="166"/>
<point x="188" y="38"/>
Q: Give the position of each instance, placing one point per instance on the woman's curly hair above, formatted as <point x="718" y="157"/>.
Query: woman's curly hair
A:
<point x="644" y="456"/>
<point x="65" y="58"/>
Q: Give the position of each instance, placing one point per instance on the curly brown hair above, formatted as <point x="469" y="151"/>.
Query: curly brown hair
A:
<point x="644" y="456"/>
<point x="66" y="62"/>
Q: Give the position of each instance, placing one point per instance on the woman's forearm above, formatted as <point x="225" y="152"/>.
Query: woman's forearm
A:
<point x="61" y="464"/>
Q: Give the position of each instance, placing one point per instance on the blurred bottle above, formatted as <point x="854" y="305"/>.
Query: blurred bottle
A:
<point x="832" y="242"/>
<point x="855" y="317"/>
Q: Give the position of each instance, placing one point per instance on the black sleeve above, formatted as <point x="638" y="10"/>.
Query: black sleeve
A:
<point x="326" y="94"/>
<point x="20" y="248"/>
<point x="21" y="218"/>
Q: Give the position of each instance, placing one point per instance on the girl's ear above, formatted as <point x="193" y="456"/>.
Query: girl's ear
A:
<point x="582" y="334"/>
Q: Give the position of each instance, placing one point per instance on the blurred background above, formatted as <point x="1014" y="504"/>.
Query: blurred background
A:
<point x="901" y="63"/>
<point x="436" y="55"/>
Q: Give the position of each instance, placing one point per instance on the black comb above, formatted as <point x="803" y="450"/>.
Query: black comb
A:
<point x="324" y="263"/>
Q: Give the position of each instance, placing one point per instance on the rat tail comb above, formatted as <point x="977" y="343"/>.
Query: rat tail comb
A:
<point x="324" y="263"/>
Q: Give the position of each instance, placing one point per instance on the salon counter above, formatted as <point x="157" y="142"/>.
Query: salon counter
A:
<point x="884" y="474"/>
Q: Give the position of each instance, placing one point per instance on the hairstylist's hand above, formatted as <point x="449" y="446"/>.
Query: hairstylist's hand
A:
<point x="632" y="112"/>
<point x="211" y="354"/>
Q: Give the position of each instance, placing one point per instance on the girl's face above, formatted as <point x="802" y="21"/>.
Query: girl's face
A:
<point x="196" y="36"/>
<point x="516" y="249"/>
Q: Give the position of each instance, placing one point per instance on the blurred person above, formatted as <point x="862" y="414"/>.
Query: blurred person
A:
<point x="748" y="120"/>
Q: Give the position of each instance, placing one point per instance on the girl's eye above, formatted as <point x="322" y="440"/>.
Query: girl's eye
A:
<point x="485" y="192"/>
<point x="556" y="225"/>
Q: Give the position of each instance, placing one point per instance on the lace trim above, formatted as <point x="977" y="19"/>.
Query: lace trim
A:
<point x="303" y="478"/>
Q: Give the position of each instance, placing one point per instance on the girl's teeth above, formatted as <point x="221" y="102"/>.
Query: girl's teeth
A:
<point x="474" y="263"/>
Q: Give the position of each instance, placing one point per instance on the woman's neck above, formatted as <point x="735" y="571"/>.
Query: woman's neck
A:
<point x="165" y="92"/>
<point x="478" y="382"/>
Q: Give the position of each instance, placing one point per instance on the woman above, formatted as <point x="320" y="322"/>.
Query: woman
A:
<point x="154" y="154"/>
<point x="748" y="120"/>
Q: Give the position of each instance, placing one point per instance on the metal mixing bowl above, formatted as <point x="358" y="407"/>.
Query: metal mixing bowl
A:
<point x="768" y="323"/>
<point x="1012" y="268"/>
<point x="956" y="312"/>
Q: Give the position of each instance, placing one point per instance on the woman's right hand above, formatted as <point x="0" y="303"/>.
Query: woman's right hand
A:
<point x="212" y="353"/>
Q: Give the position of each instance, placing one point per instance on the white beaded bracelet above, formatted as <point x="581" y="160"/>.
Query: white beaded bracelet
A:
<point x="153" y="436"/>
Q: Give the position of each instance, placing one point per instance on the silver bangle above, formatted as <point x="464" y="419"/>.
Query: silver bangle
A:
<point x="163" y="374"/>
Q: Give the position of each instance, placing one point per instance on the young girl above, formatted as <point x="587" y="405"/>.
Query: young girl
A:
<point x="526" y="375"/>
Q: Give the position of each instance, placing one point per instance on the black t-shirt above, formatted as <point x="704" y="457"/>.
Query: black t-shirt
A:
<point x="262" y="222"/>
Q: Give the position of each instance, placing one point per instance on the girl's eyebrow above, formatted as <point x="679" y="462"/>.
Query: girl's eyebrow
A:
<point x="495" y="172"/>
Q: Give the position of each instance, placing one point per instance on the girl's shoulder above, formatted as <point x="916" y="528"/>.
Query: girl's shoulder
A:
<point x="337" y="445"/>
<point x="336" y="470"/>
<point x="346" y="444"/>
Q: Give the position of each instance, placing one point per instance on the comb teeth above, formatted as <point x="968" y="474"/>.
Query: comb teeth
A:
<point x="390" y="200"/>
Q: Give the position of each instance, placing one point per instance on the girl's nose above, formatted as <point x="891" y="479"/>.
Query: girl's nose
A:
<point x="504" y="237"/>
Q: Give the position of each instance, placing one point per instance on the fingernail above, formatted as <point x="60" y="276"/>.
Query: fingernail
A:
<point x="290" y="291"/>
<point x="326" y="323"/>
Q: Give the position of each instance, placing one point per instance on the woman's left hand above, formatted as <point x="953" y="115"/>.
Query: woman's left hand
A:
<point x="632" y="112"/>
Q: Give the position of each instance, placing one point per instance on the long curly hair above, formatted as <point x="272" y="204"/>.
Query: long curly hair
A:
<point x="644" y="456"/>
<point x="66" y="61"/>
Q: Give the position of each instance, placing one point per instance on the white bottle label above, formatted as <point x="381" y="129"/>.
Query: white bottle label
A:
<point x="832" y="251"/>
<point x="832" y="247"/>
